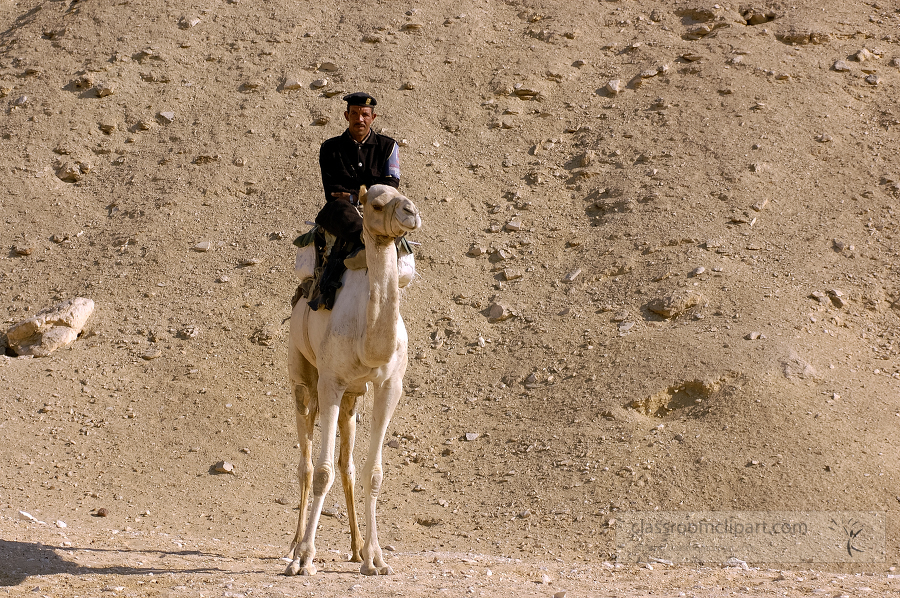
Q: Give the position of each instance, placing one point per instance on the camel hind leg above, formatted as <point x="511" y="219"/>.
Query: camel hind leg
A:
<point x="304" y="378"/>
<point x="347" y="427"/>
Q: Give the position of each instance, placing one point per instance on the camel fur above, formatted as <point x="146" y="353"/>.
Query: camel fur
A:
<point x="333" y="355"/>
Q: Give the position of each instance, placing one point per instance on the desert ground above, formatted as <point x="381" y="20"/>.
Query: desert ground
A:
<point x="658" y="271"/>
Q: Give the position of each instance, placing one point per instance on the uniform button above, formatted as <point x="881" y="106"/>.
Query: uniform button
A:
<point x="360" y="164"/>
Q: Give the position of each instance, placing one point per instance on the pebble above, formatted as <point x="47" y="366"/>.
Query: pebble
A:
<point x="189" y="332"/>
<point x="625" y="326"/>
<point x="188" y="22"/>
<point x="571" y="276"/>
<point x="418" y="488"/>
<point x="393" y="443"/>
<point x="102" y="512"/>
<point x="167" y="117"/>
<point x="61" y="524"/>
<point x="202" y="246"/>
<point x="560" y="594"/>
<point x="319" y="83"/>
<point x="676" y="303"/>
<point x="292" y="83"/>
<point x="223" y="467"/>
<point x="873" y="80"/>
<point x="841" y="66"/>
<point x="514" y="225"/>
<point x="498" y="312"/>
<point x="472" y="436"/>
<point x="22" y="250"/>
<point x="512" y="274"/>
<point x="20" y="101"/>
<point x="475" y="251"/>
<point x="863" y="55"/>
<point x="698" y="271"/>
<point x="251" y="261"/>
<point x="26" y="516"/>
<point x="754" y="336"/>
<point x="151" y="354"/>
<point x="104" y="89"/>
<point x="614" y="86"/>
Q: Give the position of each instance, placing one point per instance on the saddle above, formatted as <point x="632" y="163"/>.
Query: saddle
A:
<point x="323" y="258"/>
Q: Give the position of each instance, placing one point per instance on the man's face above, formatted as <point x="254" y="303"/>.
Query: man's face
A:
<point x="360" y="121"/>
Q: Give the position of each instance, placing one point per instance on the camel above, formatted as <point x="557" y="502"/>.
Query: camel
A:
<point x="333" y="356"/>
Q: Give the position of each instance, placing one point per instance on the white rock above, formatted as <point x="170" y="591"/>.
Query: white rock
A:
<point x="61" y="524"/>
<point x="51" y="328"/>
<point x="26" y="516"/>
<point x="167" y="117"/>
<point x="292" y="83"/>
<point x="224" y="467"/>
<point x="472" y="436"/>
<point x="614" y="86"/>
<point x="202" y="246"/>
<point x="571" y="276"/>
<point x="319" y="83"/>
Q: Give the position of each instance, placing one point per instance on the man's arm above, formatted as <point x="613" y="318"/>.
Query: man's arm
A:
<point x="332" y="173"/>
<point x="390" y="172"/>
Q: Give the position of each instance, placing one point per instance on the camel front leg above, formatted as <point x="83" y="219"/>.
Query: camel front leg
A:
<point x="386" y="398"/>
<point x="305" y="411"/>
<point x="322" y="478"/>
<point x="347" y="425"/>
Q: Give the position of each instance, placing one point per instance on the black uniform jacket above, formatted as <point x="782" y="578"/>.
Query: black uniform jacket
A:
<point x="346" y="164"/>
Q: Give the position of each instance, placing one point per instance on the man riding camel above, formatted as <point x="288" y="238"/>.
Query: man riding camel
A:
<point x="358" y="157"/>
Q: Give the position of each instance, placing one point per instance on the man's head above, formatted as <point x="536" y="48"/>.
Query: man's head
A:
<point x="360" y="114"/>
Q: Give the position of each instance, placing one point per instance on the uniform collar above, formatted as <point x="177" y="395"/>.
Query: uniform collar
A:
<point x="369" y="140"/>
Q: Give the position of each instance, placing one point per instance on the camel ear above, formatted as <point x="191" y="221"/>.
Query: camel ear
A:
<point x="363" y="195"/>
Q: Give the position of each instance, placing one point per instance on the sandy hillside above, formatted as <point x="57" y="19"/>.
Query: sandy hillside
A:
<point x="684" y="214"/>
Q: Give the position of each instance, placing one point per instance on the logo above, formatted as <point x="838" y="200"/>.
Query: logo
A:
<point x="851" y="530"/>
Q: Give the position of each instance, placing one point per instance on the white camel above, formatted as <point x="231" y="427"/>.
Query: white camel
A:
<point x="332" y="355"/>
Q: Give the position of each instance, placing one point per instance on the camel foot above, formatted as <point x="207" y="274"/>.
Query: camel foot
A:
<point x="367" y="569"/>
<point x="295" y="568"/>
<point x="355" y="557"/>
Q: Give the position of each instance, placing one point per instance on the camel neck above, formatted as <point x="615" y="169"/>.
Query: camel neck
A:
<point x="383" y="308"/>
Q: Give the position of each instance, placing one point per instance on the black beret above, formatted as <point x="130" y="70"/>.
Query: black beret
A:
<point x="360" y="98"/>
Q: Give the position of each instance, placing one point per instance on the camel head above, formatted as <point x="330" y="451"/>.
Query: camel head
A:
<point x="387" y="213"/>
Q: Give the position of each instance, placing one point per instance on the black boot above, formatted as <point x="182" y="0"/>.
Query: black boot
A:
<point x="330" y="281"/>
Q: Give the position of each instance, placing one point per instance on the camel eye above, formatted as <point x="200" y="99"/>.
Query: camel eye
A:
<point x="377" y="206"/>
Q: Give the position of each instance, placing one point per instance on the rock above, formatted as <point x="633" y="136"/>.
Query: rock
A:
<point x="166" y="117"/>
<point x="513" y="225"/>
<point x="571" y="276"/>
<point x="23" y="249"/>
<point x="841" y="66"/>
<point x="512" y="274"/>
<point x="873" y="80"/>
<point x="72" y="172"/>
<point x="625" y="326"/>
<point x="560" y="594"/>
<point x="472" y="436"/>
<point x="863" y="55"/>
<point x="250" y="261"/>
<point x="319" y="83"/>
<point x="102" y="512"/>
<point x="475" y="251"/>
<point x="223" y="467"/>
<point x="498" y="312"/>
<point x="676" y="303"/>
<point x="20" y="101"/>
<point x="292" y="83"/>
<point x="187" y="22"/>
<point x="736" y="562"/>
<point x="51" y="328"/>
<point x="838" y="298"/>
<point x="104" y="89"/>
<point x="393" y="443"/>
<point x="61" y="524"/>
<point x="545" y="579"/>
<point x="754" y="336"/>
<point x="794" y="367"/>
<point x="151" y="354"/>
<point x="697" y="271"/>
<point x="614" y="86"/>
<point x="24" y="516"/>
<point x="202" y="246"/>
<point x="692" y="57"/>
<point x="189" y="332"/>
